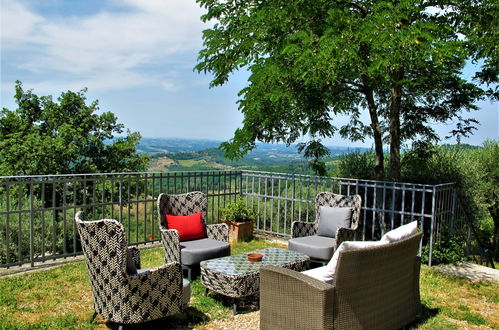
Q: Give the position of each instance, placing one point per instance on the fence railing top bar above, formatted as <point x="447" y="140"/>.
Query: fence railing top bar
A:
<point x="349" y="180"/>
<point x="30" y="178"/>
<point x="117" y="174"/>
<point x="444" y="185"/>
<point x="366" y="184"/>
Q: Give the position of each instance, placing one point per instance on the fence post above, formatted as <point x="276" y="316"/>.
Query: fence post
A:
<point x="121" y="200"/>
<point x="453" y="206"/>
<point x="240" y="174"/>
<point x="31" y="222"/>
<point x="432" y="225"/>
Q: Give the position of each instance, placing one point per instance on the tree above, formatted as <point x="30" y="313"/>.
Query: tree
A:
<point x="489" y="158"/>
<point x="312" y="60"/>
<point x="65" y="137"/>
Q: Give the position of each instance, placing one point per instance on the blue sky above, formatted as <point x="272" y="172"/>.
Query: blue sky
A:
<point x="137" y="57"/>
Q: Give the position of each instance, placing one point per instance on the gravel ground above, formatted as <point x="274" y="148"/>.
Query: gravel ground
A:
<point x="238" y="322"/>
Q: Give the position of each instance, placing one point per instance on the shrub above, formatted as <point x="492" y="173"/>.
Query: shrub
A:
<point x="238" y="211"/>
<point x="356" y="165"/>
<point x="448" y="250"/>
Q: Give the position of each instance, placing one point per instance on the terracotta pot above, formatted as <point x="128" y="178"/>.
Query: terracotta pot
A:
<point x="240" y="231"/>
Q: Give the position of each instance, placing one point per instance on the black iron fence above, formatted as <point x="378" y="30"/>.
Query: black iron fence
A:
<point x="36" y="212"/>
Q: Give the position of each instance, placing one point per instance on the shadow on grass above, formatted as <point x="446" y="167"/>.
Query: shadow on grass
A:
<point x="244" y="305"/>
<point x="426" y="315"/>
<point x="190" y="318"/>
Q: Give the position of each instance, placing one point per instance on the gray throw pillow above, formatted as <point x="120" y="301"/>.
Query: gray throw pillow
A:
<point x="330" y="218"/>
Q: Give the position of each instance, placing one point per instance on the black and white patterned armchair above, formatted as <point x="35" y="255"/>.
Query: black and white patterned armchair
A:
<point x="191" y="253"/>
<point x="124" y="293"/>
<point x="305" y="236"/>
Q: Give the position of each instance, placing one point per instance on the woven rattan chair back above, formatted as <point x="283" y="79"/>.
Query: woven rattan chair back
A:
<point x="336" y="200"/>
<point x="181" y="204"/>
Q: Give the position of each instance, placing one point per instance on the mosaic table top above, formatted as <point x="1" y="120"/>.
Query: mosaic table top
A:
<point x="240" y="265"/>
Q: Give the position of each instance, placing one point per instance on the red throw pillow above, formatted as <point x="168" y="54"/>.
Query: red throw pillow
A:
<point x="189" y="227"/>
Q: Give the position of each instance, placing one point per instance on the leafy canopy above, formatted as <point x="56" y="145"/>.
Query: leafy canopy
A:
<point x="312" y="60"/>
<point x="46" y="137"/>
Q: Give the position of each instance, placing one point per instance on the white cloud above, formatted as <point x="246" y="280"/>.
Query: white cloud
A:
<point x="17" y="23"/>
<point x="169" y="86"/>
<point x="106" y="49"/>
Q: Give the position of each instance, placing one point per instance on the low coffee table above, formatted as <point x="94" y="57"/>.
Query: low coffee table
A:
<point x="237" y="277"/>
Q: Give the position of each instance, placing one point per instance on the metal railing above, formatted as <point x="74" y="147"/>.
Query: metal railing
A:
<point x="281" y="198"/>
<point x="36" y="212"/>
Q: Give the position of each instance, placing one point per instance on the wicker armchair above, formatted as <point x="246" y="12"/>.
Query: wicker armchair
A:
<point x="319" y="248"/>
<point x="191" y="253"/>
<point x="373" y="288"/>
<point x="124" y="296"/>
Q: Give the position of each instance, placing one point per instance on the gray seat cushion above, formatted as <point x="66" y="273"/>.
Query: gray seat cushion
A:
<point x="186" y="291"/>
<point x="318" y="247"/>
<point x="193" y="252"/>
<point x="330" y="218"/>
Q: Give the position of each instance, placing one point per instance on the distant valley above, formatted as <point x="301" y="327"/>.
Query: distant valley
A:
<point x="191" y="154"/>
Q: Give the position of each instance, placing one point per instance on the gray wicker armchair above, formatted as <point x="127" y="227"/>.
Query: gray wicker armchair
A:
<point x="319" y="248"/>
<point x="191" y="253"/>
<point x="124" y="293"/>
<point x="373" y="288"/>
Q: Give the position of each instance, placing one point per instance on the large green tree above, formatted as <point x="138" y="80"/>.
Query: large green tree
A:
<point x="46" y="137"/>
<point x="400" y="62"/>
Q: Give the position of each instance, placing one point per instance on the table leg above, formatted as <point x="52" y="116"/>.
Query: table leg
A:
<point x="234" y="307"/>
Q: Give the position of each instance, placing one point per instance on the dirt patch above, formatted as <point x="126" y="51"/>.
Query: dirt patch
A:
<point x="160" y="164"/>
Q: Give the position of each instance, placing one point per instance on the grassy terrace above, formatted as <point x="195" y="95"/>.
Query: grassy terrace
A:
<point x="61" y="298"/>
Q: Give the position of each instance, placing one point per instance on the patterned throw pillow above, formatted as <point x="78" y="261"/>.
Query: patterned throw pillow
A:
<point x="189" y="227"/>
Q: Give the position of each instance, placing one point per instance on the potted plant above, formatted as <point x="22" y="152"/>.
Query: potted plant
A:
<point x="239" y="218"/>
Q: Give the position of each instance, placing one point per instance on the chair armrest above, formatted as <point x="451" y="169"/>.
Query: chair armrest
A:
<point x="171" y="244"/>
<point x="302" y="229"/>
<point x="292" y="300"/>
<point x="344" y="234"/>
<point x="218" y="232"/>
<point x="162" y="285"/>
<point x="134" y="255"/>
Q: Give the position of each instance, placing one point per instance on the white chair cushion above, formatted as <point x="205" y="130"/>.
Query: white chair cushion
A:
<point x="319" y="273"/>
<point x="400" y="233"/>
<point x="326" y="273"/>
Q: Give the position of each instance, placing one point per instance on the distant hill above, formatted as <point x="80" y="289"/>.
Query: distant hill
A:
<point x="154" y="146"/>
<point x="267" y="151"/>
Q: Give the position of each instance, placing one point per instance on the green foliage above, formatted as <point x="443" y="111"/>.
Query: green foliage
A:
<point x="474" y="170"/>
<point x="46" y="137"/>
<point x="238" y="211"/>
<point x="311" y="61"/>
<point x="448" y="250"/>
<point x="356" y="165"/>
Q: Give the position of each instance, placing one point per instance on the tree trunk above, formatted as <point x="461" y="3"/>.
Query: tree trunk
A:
<point x="395" y="105"/>
<point x="377" y="135"/>
<point x="378" y="147"/>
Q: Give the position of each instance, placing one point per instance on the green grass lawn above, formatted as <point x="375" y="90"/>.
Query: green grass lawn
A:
<point x="61" y="298"/>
